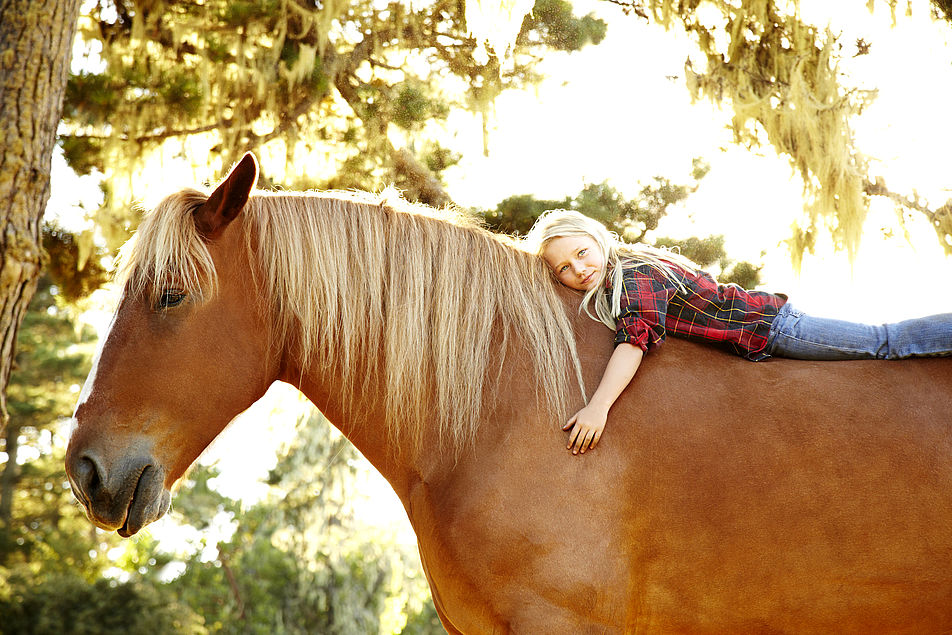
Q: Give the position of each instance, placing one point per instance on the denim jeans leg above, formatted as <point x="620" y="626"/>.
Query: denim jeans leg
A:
<point x="801" y="336"/>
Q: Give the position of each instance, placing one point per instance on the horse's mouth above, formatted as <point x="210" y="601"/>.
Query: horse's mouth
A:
<point x="148" y="502"/>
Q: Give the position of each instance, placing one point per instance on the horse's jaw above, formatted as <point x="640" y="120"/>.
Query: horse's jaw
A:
<point x="124" y="497"/>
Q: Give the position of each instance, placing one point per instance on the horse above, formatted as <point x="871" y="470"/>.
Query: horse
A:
<point x="726" y="496"/>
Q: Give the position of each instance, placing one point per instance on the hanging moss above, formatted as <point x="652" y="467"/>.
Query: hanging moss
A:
<point x="779" y="75"/>
<point x="82" y="154"/>
<point x="75" y="274"/>
<point x="281" y="77"/>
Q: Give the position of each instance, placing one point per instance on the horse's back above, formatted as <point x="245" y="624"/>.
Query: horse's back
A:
<point x="800" y="495"/>
<point x="725" y="496"/>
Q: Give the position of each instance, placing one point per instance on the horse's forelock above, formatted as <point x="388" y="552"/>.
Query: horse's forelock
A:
<point x="168" y="252"/>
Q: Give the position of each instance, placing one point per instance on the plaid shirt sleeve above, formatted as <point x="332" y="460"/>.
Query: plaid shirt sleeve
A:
<point x="644" y="307"/>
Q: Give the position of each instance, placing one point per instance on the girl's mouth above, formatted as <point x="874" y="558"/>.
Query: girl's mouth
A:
<point x="588" y="278"/>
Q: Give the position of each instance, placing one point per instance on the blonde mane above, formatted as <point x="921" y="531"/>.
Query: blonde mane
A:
<point x="373" y="286"/>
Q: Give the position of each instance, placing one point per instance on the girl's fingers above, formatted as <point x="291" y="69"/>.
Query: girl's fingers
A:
<point x="598" y="435"/>
<point x="570" y="422"/>
<point x="581" y="442"/>
<point x="587" y="441"/>
<point x="573" y="435"/>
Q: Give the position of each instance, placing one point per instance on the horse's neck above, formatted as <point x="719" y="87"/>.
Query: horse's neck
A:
<point x="363" y="423"/>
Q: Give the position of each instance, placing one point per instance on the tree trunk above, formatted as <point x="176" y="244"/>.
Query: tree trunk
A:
<point x="36" y="40"/>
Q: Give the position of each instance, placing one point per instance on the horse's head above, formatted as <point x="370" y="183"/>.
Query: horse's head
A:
<point x="176" y="366"/>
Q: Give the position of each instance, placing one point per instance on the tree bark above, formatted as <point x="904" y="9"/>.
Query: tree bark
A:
<point x="36" y="40"/>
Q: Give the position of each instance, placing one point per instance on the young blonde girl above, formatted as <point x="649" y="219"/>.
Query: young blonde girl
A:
<point x="644" y="293"/>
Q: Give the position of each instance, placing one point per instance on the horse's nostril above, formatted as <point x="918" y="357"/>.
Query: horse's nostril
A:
<point x="87" y="477"/>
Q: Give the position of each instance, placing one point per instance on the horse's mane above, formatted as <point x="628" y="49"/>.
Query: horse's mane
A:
<point x="425" y="299"/>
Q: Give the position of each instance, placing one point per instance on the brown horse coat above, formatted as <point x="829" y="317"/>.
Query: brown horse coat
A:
<point x="725" y="496"/>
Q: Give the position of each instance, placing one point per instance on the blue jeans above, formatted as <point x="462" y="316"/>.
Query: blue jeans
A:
<point x="800" y="336"/>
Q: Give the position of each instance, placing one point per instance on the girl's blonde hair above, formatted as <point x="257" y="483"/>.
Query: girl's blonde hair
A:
<point x="559" y="223"/>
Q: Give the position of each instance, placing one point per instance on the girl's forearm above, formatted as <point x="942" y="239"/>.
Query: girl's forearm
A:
<point x="587" y="424"/>
<point x="622" y="366"/>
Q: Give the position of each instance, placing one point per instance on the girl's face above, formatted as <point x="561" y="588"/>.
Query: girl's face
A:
<point x="576" y="261"/>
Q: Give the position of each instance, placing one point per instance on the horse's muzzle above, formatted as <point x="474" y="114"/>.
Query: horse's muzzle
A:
<point x="123" y="497"/>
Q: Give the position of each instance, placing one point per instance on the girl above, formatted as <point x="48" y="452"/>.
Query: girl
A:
<point x="643" y="293"/>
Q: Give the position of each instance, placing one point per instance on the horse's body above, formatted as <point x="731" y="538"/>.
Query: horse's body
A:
<point x="725" y="496"/>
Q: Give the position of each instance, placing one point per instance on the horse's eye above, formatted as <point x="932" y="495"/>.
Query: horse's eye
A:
<point x="170" y="298"/>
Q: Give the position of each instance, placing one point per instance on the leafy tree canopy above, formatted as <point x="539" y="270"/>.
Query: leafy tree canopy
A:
<point x="780" y="77"/>
<point x="633" y="220"/>
<point x="356" y="81"/>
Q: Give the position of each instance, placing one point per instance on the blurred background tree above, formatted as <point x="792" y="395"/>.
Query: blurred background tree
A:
<point x="53" y="356"/>
<point x="52" y="560"/>
<point x="301" y="561"/>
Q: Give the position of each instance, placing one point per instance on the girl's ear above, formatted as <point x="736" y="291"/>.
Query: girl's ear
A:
<point x="228" y="199"/>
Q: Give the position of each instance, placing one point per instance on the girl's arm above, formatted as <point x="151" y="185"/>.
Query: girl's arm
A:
<point x="587" y="424"/>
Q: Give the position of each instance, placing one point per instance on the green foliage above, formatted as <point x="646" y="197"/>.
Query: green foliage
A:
<point x="75" y="269"/>
<point x="300" y="561"/>
<point x="91" y="99"/>
<point x="52" y="560"/>
<point x="82" y="153"/>
<point x="631" y="220"/>
<point x="516" y="214"/>
<point x="414" y="105"/>
<point x="553" y="23"/>
<point x="742" y="273"/>
<point x="436" y="158"/>
<point x="424" y="622"/>
<point x="299" y="78"/>
<point x="42" y="531"/>
<point x="66" y="603"/>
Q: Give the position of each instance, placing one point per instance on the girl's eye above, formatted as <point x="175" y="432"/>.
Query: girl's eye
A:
<point x="563" y="268"/>
<point x="170" y="298"/>
<point x="581" y="252"/>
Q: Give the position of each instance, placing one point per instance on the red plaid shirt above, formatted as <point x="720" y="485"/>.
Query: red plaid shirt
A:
<point x="651" y="306"/>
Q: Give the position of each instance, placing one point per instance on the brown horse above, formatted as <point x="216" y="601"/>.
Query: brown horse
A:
<point x="726" y="496"/>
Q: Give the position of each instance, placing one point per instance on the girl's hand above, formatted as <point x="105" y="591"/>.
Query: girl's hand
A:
<point x="587" y="424"/>
<point x="586" y="428"/>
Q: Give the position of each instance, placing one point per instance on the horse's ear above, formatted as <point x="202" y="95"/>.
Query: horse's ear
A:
<point x="228" y="199"/>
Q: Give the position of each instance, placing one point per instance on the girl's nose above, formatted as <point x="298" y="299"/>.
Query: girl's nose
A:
<point x="578" y="268"/>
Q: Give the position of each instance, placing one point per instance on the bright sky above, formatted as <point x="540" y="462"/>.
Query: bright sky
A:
<point x="612" y="113"/>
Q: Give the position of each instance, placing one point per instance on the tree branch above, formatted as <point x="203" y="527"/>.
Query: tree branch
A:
<point x="429" y="188"/>
<point x="940" y="218"/>
<point x="232" y="582"/>
<point x="879" y="188"/>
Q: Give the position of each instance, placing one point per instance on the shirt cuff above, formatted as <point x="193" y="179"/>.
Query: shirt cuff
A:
<point x="638" y="335"/>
